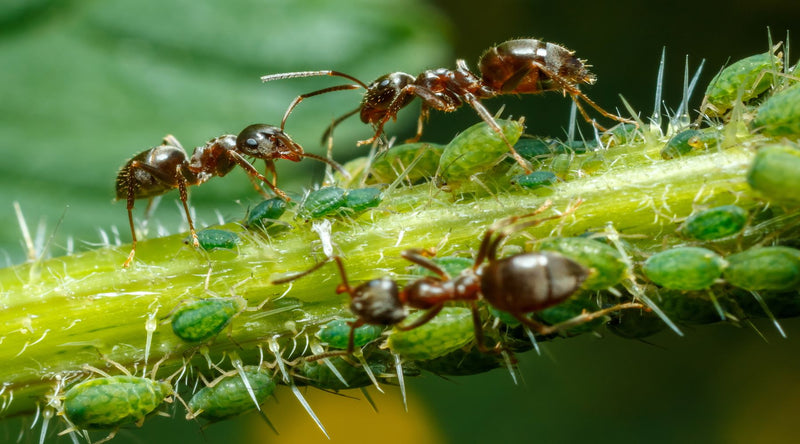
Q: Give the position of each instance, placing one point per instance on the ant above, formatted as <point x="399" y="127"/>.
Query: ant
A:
<point x="519" y="284"/>
<point x="522" y="66"/>
<point x="158" y="170"/>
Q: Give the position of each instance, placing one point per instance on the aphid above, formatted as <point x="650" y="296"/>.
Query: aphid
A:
<point x="684" y="268"/>
<point x="361" y="199"/>
<point x="158" y="170"/>
<point x="749" y="77"/>
<point x="213" y="239"/>
<point x="534" y="180"/>
<point x="336" y="333"/>
<point x="715" y="223"/>
<point x="388" y="166"/>
<point x="476" y="149"/>
<point x="774" y="172"/>
<point x="461" y="363"/>
<point x="621" y="134"/>
<point x="200" y="320"/>
<point x="779" y="115"/>
<point x="323" y="201"/>
<point x="317" y="374"/>
<point x="764" y="268"/>
<point x="113" y="401"/>
<point x="448" y="331"/>
<point x="688" y="308"/>
<point x="688" y="140"/>
<point x="523" y="66"/>
<point x="632" y="325"/>
<point x="519" y="284"/>
<point x="229" y="395"/>
<point x="608" y="267"/>
<point x="266" y="213"/>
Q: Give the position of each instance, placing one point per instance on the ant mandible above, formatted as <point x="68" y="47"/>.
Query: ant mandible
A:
<point x="519" y="284"/>
<point x="522" y="66"/>
<point x="158" y="170"/>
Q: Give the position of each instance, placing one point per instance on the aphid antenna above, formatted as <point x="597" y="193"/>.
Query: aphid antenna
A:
<point x="768" y="312"/>
<point x="274" y="347"/>
<point x="655" y="119"/>
<point x="398" y="365"/>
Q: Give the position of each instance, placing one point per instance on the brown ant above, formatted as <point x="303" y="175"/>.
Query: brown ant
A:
<point x="523" y="66"/>
<point x="519" y="284"/>
<point x="158" y="170"/>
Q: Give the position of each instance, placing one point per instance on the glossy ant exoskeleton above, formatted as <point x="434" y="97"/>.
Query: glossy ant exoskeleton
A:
<point x="519" y="284"/>
<point x="523" y="66"/>
<point x="158" y="170"/>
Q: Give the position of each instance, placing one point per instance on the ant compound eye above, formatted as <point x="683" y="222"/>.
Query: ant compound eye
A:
<point x="251" y="142"/>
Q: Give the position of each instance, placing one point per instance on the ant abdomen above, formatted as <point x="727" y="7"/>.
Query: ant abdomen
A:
<point x="152" y="172"/>
<point x="530" y="282"/>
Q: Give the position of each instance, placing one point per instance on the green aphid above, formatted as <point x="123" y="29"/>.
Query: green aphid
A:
<point x="504" y="317"/>
<point x="462" y="363"/>
<point x="203" y="319"/>
<point x="362" y="198"/>
<point x="534" y="149"/>
<point x="779" y="115"/>
<point x="113" y="401"/>
<point x="561" y="165"/>
<point x="536" y="179"/>
<point x="452" y="265"/>
<point x="749" y="77"/>
<point x="318" y="374"/>
<point x="324" y="201"/>
<point x="450" y="330"/>
<point x="679" y="145"/>
<point x="592" y="163"/>
<point x="782" y="304"/>
<point x="684" y="268"/>
<point x="621" y="134"/>
<point x="266" y="213"/>
<point x="607" y="264"/>
<point x="774" y="173"/>
<point x="764" y="268"/>
<point x="576" y="146"/>
<point x="567" y="310"/>
<point x="476" y="149"/>
<point x="394" y="161"/>
<point x="688" y="308"/>
<point x="636" y="324"/>
<point x="229" y="396"/>
<point x="212" y="239"/>
<point x="715" y="223"/>
<point x="336" y="333"/>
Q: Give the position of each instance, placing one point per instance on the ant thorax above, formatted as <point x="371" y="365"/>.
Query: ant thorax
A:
<point x="212" y="159"/>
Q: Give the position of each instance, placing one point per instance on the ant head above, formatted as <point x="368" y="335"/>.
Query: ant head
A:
<point x="377" y="302"/>
<point x="381" y="93"/>
<point x="267" y="142"/>
<point x="211" y="159"/>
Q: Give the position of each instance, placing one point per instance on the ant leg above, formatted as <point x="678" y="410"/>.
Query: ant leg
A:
<point x="484" y="114"/>
<point x="422" y="320"/>
<point x="251" y="171"/>
<point x="424" y="112"/>
<point x="420" y="257"/>
<point x="480" y="339"/>
<point x="300" y="98"/>
<point x="351" y="344"/>
<point x="488" y="248"/>
<point x="131" y="199"/>
<point x="184" y="198"/>
<point x="584" y="317"/>
<point x="301" y="274"/>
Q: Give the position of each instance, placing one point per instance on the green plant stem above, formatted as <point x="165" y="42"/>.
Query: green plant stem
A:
<point x="63" y="313"/>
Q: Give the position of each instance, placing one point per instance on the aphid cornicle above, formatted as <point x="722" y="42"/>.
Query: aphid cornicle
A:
<point x="518" y="284"/>
<point x="521" y="66"/>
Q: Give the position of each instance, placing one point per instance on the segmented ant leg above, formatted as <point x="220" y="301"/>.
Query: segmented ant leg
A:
<point x="131" y="200"/>
<point x="584" y="317"/>
<point x="420" y="257"/>
<point x="300" y="98"/>
<point x="484" y="114"/>
<point x="480" y="339"/>
<point x="424" y="113"/>
<point x="301" y="274"/>
<point x="184" y="200"/>
<point x="251" y="171"/>
<point x="422" y="320"/>
<point x="488" y="249"/>
<point x="329" y="132"/>
<point x="351" y="344"/>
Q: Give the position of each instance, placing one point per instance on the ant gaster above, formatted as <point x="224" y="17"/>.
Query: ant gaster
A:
<point x="158" y="170"/>
<point x="519" y="284"/>
<point x="523" y="66"/>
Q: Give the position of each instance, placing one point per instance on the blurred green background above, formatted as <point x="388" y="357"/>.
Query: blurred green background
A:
<point x="87" y="84"/>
